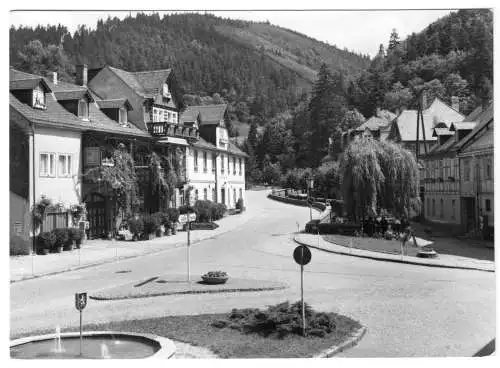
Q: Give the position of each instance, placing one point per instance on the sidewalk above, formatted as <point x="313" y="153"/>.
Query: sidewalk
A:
<point x="443" y="260"/>
<point x="96" y="252"/>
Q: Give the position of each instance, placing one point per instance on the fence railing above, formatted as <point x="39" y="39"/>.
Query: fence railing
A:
<point x="55" y="220"/>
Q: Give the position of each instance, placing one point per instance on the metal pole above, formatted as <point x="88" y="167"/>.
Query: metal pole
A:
<point x="81" y="335"/>
<point x="302" y="293"/>
<point x="79" y="255"/>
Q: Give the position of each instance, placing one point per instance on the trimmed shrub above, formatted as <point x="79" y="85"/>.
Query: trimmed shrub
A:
<point x="62" y="237"/>
<point x="151" y="223"/>
<point x="19" y="246"/>
<point x="218" y="211"/>
<point x="203" y="209"/>
<point x="75" y="234"/>
<point x="173" y="215"/>
<point x="279" y="321"/>
<point x="240" y="205"/>
<point x="135" y="225"/>
<point x="46" y="240"/>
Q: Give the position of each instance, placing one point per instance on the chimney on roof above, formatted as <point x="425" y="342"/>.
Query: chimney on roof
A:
<point x="81" y="74"/>
<point x="54" y="77"/>
<point x="455" y="103"/>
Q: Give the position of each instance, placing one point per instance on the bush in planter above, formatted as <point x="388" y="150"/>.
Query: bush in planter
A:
<point x="19" y="246"/>
<point x="218" y="211"/>
<point x="240" y="205"/>
<point x="46" y="240"/>
<point x="62" y="238"/>
<point x="135" y="226"/>
<point x="157" y="218"/>
<point x="151" y="224"/>
<point x="203" y="210"/>
<point x="173" y="214"/>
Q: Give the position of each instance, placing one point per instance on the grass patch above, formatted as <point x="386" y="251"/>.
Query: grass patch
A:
<point x="228" y="342"/>
<point x="372" y="244"/>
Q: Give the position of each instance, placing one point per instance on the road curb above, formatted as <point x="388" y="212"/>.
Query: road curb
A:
<point x="185" y="292"/>
<point x="379" y="258"/>
<point x="123" y="258"/>
<point x="349" y="343"/>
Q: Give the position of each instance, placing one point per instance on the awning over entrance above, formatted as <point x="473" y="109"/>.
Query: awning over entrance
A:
<point x="173" y="140"/>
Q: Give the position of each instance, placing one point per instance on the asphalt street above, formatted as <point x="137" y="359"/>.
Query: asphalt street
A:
<point x="408" y="310"/>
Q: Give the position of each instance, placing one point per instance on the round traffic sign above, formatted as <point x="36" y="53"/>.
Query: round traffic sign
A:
<point x="302" y="255"/>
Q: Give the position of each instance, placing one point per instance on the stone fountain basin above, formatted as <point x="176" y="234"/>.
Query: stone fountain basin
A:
<point x="120" y="345"/>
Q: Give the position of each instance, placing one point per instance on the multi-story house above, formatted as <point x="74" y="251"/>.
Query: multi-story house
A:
<point x="403" y="128"/>
<point x="215" y="166"/>
<point x="61" y="131"/>
<point x="155" y="111"/>
<point x="457" y="186"/>
<point x="476" y="154"/>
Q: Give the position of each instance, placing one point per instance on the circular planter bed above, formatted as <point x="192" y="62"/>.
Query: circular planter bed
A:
<point x="427" y="253"/>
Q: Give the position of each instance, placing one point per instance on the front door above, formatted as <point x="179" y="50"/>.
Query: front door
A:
<point x="469" y="209"/>
<point x="223" y="195"/>
<point x="96" y="215"/>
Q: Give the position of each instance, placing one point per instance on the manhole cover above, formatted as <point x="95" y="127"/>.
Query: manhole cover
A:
<point x="124" y="271"/>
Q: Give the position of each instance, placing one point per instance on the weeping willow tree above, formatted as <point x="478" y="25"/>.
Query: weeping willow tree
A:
<point x="379" y="175"/>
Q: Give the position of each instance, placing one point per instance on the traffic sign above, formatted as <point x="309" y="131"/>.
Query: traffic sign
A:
<point x="192" y="217"/>
<point x="183" y="218"/>
<point x="302" y="255"/>
<point x="80" y="301"/>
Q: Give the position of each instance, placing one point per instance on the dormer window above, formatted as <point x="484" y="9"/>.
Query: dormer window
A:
<point x="123" y="116"/>
<point x="83" y="110"/>
<point x="38" y="98"/>
<point x="166" y="92"/>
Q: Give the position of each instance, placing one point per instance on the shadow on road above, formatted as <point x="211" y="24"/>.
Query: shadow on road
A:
<point x="487" y="350"/>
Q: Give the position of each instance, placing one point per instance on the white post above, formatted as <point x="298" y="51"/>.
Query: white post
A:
<point x="188" y="246"/>
<point x="81" y="334"/>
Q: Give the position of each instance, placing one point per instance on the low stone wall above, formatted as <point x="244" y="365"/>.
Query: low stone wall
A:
<point x="298" y="202"/>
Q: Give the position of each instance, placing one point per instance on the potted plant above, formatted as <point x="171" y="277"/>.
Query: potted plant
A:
<point x="151" y="225"/>
<point x="136" y="227"/>
<point x="75" y="235"/>
<point x="62" y="239"/>
<point x="215" y="277"/>
<point x="46" y="242"/>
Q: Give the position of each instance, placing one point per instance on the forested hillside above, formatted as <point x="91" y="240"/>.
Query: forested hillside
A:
<point x="259" y="75"/>
<point x="451" y="57"/>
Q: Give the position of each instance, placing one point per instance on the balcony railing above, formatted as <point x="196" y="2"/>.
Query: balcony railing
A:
<point x="164" y="129"/>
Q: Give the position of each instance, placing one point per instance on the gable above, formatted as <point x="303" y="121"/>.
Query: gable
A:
<point x="483" y="140"/>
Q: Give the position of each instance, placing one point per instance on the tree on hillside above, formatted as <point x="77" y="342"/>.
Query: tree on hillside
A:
<point x="393" y="40"/>
<point x="379" y="175"/>
<point x="326" y="110"/>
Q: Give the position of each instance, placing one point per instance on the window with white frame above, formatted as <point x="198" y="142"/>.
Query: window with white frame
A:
<point x="239" y="160"/>
<point x="222" y="164"/>
<point x="195" y="153"/>
<point x="489" y="169"/>
<point x="205" y="194"/>
<point x="123" y="116"/>
<point x="196" y="195"/>
<point x="47" y="164"/>
<point x="38" y="98"/>
<point x="83" y="109"/>
<point x="205" y="162"/>
<point x="467" y="170"/>
<point x="155" y="115"/>
<point x="64" y="165"/>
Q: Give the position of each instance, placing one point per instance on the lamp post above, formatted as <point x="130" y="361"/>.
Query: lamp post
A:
<point x="310" y="186"/>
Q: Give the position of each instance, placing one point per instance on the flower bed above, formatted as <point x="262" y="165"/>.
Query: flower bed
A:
<point x="215" y="277"/>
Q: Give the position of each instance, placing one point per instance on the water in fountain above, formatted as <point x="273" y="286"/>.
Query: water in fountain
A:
<point x="58" y="348"/>
<point x="105" y="351"/>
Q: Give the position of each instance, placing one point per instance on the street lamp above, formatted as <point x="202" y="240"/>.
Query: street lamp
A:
<point x="310" y="186"/>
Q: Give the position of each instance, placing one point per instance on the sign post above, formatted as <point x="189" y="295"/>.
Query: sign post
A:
<point x="187" y="219"/>
<point x="80" y="304"/>
<point x="302" y="256"/>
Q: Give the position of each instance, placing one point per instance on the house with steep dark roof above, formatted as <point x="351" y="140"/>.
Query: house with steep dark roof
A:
<point x="215" y="166"/>
<point x="457" y="185"/>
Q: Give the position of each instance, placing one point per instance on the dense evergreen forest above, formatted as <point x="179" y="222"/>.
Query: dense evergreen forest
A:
<point x="211" y="59"/>
<point x="296" y="93"/>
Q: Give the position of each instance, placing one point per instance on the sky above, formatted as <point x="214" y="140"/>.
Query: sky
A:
<point x="359" y="31"/>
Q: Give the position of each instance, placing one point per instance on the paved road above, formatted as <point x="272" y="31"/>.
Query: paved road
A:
<point x="409" y="310"/>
